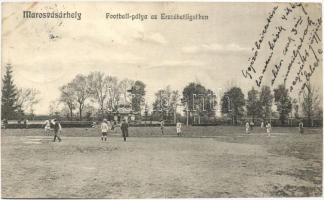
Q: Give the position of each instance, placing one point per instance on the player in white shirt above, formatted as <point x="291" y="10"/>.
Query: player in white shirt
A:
<point x="178" y="126"/>
<point x="247" y="128"/>
<point x="104" y="130"/>
<point x="47" y="127"/>
<point x="268" y="127"/>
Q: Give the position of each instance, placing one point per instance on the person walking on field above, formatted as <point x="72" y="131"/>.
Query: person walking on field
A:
<point x="301" y="127"/>
<point x="57" y="130"/>
<point x="104" y="130"/>
<point x="124" y="129"/>
<point x="247" y="128"/>
<point x="268" y="127"/>
<point x="178" y="126"/>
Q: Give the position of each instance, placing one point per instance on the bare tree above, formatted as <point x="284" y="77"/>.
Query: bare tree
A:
<point x="98" y="88"/>
<point x="125" y="96"/>
<point x="54" y="108"/>
<point x="81" y="91"/>
<point x="113" y="93"/>
<point x="68" y="97"/>
<point x="104" y="90"/>
<point x="89" y="112"/>
<point x="27" y="98"/>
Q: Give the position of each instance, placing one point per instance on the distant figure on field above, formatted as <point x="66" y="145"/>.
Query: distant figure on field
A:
<point x="301" y="127"/>
<point x="47" y="127"/>
<point x="113" y="125"/>
<point x="262" y="124"/>
<point x="124" y="129"/>
<point x="247" y="128"/>
<point x="178" y="126"/>
<point x="93" y="125"/>
<point x="26" y="123"/>
<point x="57" y="130"/>
<point x="162" y="126"/>
<point x="104" y="130"/>
<point x="251" y="125"/>
<point x="4" y="123"/>
<point x="268" y="127"/>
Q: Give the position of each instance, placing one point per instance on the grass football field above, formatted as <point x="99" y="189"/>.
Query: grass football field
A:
<point x="218" y="161"/>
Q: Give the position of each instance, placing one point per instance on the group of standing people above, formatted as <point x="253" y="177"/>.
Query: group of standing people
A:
<point x="178" y="127"/>
<point x="249" y="126"/>
<point x="106" y="126"/>
<point x="55" y="125"/>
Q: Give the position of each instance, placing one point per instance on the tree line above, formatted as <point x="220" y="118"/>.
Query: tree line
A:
<point x="259" y="104"/>
<point x="104" y="91"/>
<point x="97" y="95"/>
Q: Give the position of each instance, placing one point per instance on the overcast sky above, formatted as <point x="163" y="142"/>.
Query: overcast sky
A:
<point x="159" y="53"/>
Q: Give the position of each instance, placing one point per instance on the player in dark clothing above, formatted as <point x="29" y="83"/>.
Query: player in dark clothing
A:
<point x="57" y="130"/>
<point x="124" y="129"/>
<point x="301" y="127"/>
<point x="162" y="126"/>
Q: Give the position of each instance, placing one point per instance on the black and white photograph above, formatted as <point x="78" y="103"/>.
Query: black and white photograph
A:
<point x="159" y="100"/>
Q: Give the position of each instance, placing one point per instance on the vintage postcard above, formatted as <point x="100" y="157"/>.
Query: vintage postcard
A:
<point x="109" y="100"/>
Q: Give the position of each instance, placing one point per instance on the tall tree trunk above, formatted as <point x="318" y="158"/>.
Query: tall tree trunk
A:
<point x="309" y="120"/>
<point x="175" y="115"/>
<point x="80" y="112"/>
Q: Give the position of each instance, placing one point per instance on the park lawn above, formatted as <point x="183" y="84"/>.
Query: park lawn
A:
<point x="206" y="162"/>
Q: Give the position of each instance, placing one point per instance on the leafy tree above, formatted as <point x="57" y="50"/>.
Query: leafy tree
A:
<point x="9" y="105"/>
<point x="233" y="102"/>
<point x="310" y="102"/>
<point x="166" y="102"/>
<point x="253" y="105"/>
<point x="161" y="104"/>
<point x="174" y="103"/>
<point x="266" y="99"/>
<point x="283" y="103"/>
<point x="295" y="107"/>
<point x="138" y="93"/>
<point x="197" y="99"/>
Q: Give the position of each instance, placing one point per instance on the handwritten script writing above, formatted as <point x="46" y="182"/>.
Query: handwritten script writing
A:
<point x="293" y="50"/>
